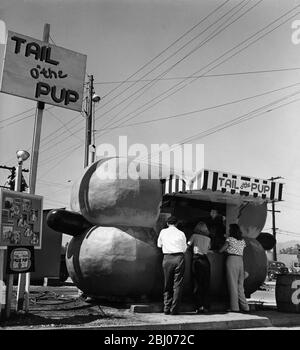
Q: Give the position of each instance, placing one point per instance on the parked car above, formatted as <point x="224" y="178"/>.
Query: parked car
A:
<point x="275" y="268"/>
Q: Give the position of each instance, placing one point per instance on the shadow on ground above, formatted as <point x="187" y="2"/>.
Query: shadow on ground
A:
<point x="53" y="310"/>
<point x="35" y="320"/>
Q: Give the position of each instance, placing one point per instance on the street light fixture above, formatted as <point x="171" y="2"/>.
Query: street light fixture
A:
<point x="96" y="98"/>
<point x="22" y="155"/>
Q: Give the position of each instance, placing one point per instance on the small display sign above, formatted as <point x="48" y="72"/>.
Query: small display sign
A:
<point x="20" y="219"/>
<point x="20" y="260"/>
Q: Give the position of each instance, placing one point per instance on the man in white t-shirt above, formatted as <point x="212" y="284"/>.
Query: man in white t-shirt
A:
<point x="173" y="244"/>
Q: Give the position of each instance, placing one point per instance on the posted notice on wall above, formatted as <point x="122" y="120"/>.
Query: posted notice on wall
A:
<point x="20" y="219"/>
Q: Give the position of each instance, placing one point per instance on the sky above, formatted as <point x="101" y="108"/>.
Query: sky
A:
<point x="156" y="48"/>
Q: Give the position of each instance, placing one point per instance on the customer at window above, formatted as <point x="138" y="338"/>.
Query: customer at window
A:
<point x="234" y="247"/>
<point x="173" y="244"/>
<point x="200" y="243"/>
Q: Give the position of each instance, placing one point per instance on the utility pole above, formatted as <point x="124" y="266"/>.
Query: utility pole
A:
<point x="10" y="182"/>
<point x="273" y="219"/>
<point x="37" y="129"/>
<point x="89" y="119"/>
<point x="24" y="280"/>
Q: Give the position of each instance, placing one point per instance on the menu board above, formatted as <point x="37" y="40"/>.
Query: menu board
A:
<point x="20" y="219"/>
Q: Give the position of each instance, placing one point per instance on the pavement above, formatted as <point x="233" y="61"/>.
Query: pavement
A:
<point x="60" y="308"/>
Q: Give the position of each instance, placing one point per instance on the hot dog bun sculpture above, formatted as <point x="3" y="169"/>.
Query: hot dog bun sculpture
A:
<point x="115" y="222"/>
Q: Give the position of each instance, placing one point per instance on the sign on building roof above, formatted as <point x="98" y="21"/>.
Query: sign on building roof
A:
<point x="227" y="183"/>
<point x="39" y="71"/>
<point x="238" y="184"/>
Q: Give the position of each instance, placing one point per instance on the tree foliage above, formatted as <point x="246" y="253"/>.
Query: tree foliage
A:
<point x="291" y="250"/>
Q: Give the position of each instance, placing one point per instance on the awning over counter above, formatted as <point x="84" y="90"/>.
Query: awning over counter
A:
<point x="227" y="185"/>
<point x="174" y="184"/>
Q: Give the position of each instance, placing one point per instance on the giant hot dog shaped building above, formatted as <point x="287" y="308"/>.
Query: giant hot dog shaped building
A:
<point x="115" y="221"/>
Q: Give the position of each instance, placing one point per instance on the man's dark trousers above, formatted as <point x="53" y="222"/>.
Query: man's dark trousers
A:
<point x="201" y="271"/>
<point x="173" y="267"/>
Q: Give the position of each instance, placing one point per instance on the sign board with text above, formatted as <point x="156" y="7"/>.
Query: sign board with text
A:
<point x="20" y="219"/>
<point x="236" y="185"/>
<point x="20" y="260"/>
<point x="246" y="184"/>
<point x="39" y="71"/>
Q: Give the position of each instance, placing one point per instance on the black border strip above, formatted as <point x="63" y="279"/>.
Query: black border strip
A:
<point x="280" y="192"/>
<point x="273" y="184"/>
<point x="215" y="181"/>
<point x="177" y="184"/>
<point x="245" y="178"/>
<point x="170" y="183"/>
<point x="205" y="180"/>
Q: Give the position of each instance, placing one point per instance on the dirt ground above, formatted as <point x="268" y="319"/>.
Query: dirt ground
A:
<point x="60" y="306"/>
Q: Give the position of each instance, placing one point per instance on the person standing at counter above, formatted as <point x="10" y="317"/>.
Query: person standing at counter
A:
<point x="173" y="244"/>
<point x="217" y="229"/>
<point x="234" y="247"/>
<point x="200" y="243"/>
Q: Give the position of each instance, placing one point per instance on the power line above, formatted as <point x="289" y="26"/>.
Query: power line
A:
<point x="202" y="76"/>
<point x="166" y="49"/>
<point x="288" y="234"/>
<point x="291" y="232"/>
<point x="16" y="121"/>
<point x="54" y="201"/>
<point x="65" y="126"/>
<point x="56" y="156"/>
<point x="73" y="150"/>
<point x="212" y="35"/>
<point x="21" y="119"/>
<point x="61" y="133"/>
<point x="238" y="120"/>
<point x="51" y="183"/>
<point x="161" y="63"/>
<point x="215" y="66"/>
<point x="17" y="115"/>
<point x="49" y="135"/>
<point x="286" y="206"/>
<point x="52" y="40"/>
<point x="57" y="143"/>
<point x="66" y="156"/>
<point x="200" y="110"/>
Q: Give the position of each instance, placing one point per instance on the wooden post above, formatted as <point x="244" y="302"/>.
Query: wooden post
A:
<point x="2" y="285"/>
<point x="25" y="277"/>
<point x="88" y="128"/>
<point x="274" y="230"/>
<point x="9" y="290"/>
<point x="10" y="277"/>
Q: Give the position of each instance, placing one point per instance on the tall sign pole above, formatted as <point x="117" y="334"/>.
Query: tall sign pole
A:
<point x="37" y="130"/>
<point x="274" y="230"/>
<point x="89" y="119"/>
<point x="10" y="277"/>
<point x="48" y="74"/>
<point x="273" y="220"/>
<point x="24" y="280"/>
